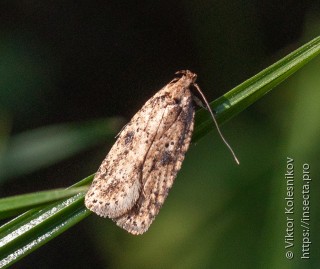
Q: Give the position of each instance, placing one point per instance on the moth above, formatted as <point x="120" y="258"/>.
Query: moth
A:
<point x="134" y="179"/>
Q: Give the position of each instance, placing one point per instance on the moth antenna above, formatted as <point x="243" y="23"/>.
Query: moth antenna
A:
<point x="216" y="123"/>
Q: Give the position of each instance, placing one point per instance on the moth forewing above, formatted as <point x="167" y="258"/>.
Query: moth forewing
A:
<point x="163" y="161"/>
<point x="134" y="179"/>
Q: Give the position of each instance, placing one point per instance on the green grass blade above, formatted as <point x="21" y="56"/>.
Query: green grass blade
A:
<point x="44" y="146"/>
<point x="245" y="94"/>
<point x="14" y="205"/>
<point x="36" y="227"/>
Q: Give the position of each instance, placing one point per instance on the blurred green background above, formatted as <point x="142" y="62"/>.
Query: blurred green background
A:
<point x="64" y="64"/>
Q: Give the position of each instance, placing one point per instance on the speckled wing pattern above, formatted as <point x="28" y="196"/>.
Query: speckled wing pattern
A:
<point x="134" y="179"/>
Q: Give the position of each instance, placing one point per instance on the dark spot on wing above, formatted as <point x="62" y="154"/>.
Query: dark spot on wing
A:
<point x="128" y="137"/>
<point x="153" y="166"/>
<point x="166" y="158"/>
<point x="177" y="100"/>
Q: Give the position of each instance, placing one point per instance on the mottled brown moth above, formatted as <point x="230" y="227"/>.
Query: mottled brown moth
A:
<point x="135" y="177"/>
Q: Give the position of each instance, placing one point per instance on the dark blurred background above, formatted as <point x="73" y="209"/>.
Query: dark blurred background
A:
<point x="64" y="62"/>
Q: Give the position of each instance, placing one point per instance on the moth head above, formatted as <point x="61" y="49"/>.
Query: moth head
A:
<point x="187" y="74"/>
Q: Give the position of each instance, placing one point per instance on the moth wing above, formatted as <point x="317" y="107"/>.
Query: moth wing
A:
<point x="117" y="185"/>
<point x="112" y="192"/>
<point x="162" y="164"/>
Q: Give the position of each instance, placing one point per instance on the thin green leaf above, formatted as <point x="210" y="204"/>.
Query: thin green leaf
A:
<point x="247" y="93"/>
<point x="36" y="227"/>
<point x="16" y="204"/>
<point x="48" y="145"/>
